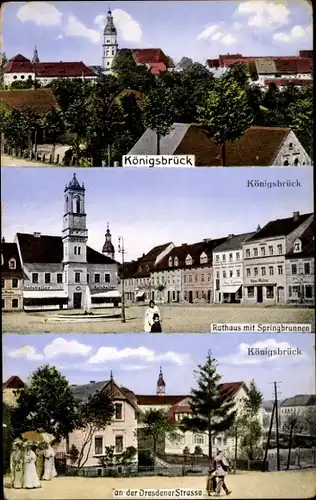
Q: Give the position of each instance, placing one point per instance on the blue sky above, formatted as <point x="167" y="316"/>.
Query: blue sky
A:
<point x="149" y="207"/>
<point x="71" y="31"/>
<point x="86" y="357"/>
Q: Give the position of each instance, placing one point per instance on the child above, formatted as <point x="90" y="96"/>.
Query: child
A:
<point x="156" y="326"/>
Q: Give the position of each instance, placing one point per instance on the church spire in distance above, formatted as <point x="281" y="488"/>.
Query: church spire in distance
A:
<point x="35" y="58"/>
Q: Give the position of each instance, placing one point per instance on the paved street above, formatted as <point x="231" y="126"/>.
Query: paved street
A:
<point x="291" y="484"/>
<point x="10" y="161"/>
<point x="175" y="319"/>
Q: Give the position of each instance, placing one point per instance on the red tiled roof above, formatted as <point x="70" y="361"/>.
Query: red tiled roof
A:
<point x="157" y="68"/>
<point x="284" y="64"/>
<point x="257" y="147"/>
<point x="150" y="56"/>
<point x="13" y="382"/>
<point x="229" y="389"/>
<point x="63" y="69"/>
<point x="282" y="82"/>
<point x="40" y="100"/>
<point x="20" y="64"/>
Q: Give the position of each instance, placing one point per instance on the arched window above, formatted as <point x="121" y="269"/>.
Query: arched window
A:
<point x="286" y="163"/>
<point x="12" y="263"/>
<point x="78" y="205"/>
<point x="296" y="161"/>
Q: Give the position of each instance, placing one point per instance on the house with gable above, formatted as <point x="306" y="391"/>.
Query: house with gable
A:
<point x="300" y="268"/>
<point x="120" y="434"/>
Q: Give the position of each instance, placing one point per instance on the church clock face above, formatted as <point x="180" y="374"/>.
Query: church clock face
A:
<point x="77" y="221"/>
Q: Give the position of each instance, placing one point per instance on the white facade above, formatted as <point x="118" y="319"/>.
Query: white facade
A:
<point x="110" y="45"/>
<point x="228" y="276"/>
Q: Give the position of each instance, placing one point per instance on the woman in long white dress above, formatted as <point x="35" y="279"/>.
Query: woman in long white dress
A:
<point x="30" y="477"/>
<point x="16" y="464"/>
<point x="149" y="316"/>
<point x="49" y="464"/>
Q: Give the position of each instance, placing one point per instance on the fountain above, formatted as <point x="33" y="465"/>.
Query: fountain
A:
<point x="87" y="315"/>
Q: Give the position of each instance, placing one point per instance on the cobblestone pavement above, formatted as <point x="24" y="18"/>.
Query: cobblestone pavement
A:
<point x="175" y="319"/>
<point x="290" y="484"/>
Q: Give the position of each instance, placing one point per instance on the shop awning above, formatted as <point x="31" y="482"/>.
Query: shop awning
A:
<point x="40" y="294"/>
<point x="140" y="294"/>
<point x="108" y="294"/>
<point x="230" y="289"/>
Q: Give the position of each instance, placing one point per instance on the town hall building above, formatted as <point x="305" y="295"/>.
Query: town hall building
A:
<point x="63" y="271"/>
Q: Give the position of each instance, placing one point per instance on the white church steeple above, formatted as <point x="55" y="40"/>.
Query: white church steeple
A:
<point x="109" y="44"/>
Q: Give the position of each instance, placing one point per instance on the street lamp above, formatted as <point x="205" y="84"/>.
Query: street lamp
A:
<point x="121" y="250"/>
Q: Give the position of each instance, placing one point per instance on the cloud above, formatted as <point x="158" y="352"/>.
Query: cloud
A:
<point x="297" y="32"/>
<point x="129" y="29"/>
<point x="271" y="352"/>
<point x="26" y="352"/>
<point x="60" y="37"/>
<point x="58" y="347"/>
<point x="263" y="14"/>
<point x="218" y="33"/>
<point x="105" y="354"/>
<point x="75" y="28"/>
<point x="63" y="347"/>
<point x="41" y="13"/>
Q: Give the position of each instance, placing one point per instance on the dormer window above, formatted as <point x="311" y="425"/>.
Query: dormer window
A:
<point x="147" y="268"/>
<point x="12" y="263"/>
<point x="297" y="246"/>
<point x="170" y="262"/>
<point x="203" y="258"/>
<point x="140" y="269"/>
<point x="176" y="261"/>
<point x="2" y="260"/>
<point x="188" y="260"/>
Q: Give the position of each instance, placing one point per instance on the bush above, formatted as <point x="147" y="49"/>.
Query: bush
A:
<point x="73" y="454"/>
<point x="198" y="450"/>
<point x="145" y="458"/>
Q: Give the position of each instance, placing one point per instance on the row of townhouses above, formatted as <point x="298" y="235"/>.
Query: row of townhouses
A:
<point x="124" y="429"/>
<point x="272" y="265"/>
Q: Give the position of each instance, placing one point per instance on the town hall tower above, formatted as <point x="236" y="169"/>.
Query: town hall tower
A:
<point x="75" y="236"/>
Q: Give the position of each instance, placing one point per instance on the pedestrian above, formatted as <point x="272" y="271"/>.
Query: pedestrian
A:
<point x="149" y="316"/>
<point x="211" y="480"/>
<point x="221" y="466"/>
<point x="30" y="477"/>
<point x="156" y="326"/>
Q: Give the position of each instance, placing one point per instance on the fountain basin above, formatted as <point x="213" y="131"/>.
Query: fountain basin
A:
<point x="83" y="318"/>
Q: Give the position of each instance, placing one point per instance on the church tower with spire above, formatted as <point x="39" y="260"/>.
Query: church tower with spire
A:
<point x="110" y="45"/>
<point x="161" y="385"/>
<point x="35" y="58"/>
<point x="108" y="247"/>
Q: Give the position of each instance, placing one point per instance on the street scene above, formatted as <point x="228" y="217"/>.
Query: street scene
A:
<point x="89" y="84"/>
<point x="122" y="430"/>
<point x="156" y="270"/>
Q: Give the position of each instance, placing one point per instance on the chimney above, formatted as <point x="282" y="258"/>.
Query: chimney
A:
<point x="37" y="235"/>
<point x="92" y="381"/>
<point x="206" y="240"/>
<point x="258" y="227"/>
<point x="231" y="236"/>
<point x="3" y="240"/>
<point x="296" y="216"/>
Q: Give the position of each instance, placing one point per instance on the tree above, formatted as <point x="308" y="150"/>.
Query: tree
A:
<point x="7" y="436"/>
<point x="225" y="112"/>
<point x="16" y="128"/>
<point x="212" y="411"/>
<point x="250" y="424"/>
<point x="77" y="119"/>
<point x="239" y="72"/>
<point x="185" y="63"/>
<point x="310" y="420"/>
<point x="3" y="63"/>
<point x="292" y="425"/>
<point x="131" y="75"/>
<point x="45" y="404"/>
<point x="54" y="125"/>
<point x="299" y="116"/>
<point x="106" y="122"/>
<point x="171" y="63"/>
<point x="155" y="425"/>
<point x="159" y="111"/>
<point x="95" y="415"/>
